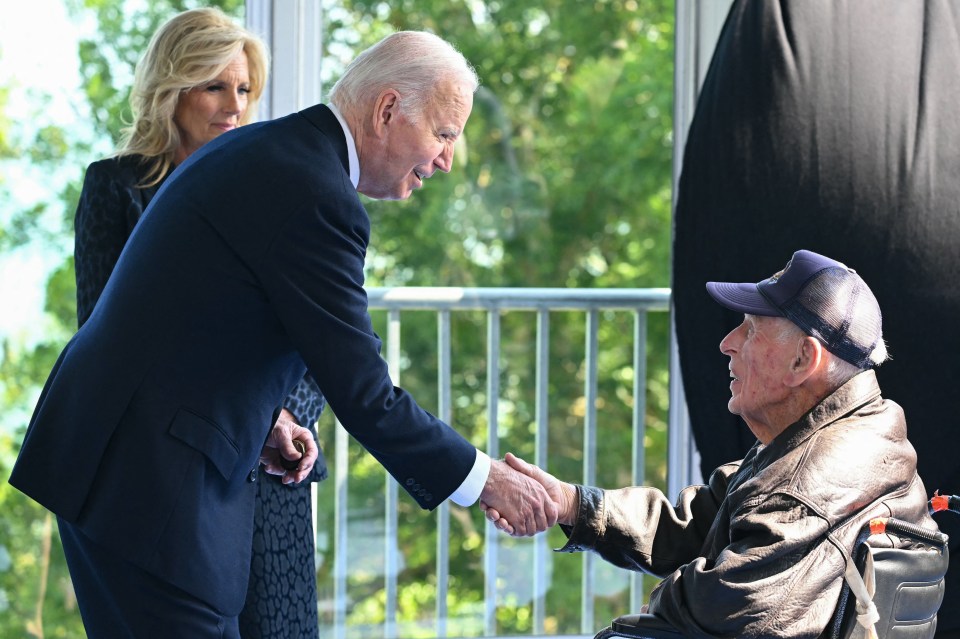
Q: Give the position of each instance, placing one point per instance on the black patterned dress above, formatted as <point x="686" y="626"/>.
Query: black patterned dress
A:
<point x="282" y="593"/>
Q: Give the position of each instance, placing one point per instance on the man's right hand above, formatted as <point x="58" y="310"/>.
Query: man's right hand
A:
<point x="523" y="506"/>
<point x="564" y="495"/>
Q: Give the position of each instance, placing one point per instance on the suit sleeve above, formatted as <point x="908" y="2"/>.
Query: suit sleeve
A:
<point x="313" y="274"/>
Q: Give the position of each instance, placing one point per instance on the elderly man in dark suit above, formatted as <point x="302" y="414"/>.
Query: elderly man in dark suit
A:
<point x="245" y="272"/>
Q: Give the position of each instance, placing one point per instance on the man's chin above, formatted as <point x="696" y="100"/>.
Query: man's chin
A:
<point x="387" y="196"/>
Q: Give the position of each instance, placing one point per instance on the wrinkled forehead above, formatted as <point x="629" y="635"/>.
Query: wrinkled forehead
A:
<point x="452" y="101"/>
<point x="776" y="327"/>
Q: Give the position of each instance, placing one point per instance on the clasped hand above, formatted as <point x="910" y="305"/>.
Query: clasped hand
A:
<point x="521" y="499"/>
<point x="279" y="447"/>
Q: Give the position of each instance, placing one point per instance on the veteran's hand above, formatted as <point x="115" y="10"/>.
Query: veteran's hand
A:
<point x="522" y="505"/>
<point x="290" y="450"/>
<point x="561" y="493"/>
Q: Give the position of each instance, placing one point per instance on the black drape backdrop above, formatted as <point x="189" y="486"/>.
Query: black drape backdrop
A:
<point x="832" y="125"/>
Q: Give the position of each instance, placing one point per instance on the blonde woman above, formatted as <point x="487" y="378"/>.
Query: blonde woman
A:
<point x="201" y="77"/>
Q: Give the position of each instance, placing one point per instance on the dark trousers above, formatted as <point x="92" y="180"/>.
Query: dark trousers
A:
<point x="118" y="599"/>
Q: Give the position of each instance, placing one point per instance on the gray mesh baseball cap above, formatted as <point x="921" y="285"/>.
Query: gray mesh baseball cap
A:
<point x="826" y="299"/>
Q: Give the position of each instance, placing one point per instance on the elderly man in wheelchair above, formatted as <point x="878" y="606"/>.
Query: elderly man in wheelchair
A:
<point x="765" y="547"/>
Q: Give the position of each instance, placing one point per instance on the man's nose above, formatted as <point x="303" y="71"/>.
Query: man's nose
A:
<point x="444" y="161"/>
<point x="727" y="344"/>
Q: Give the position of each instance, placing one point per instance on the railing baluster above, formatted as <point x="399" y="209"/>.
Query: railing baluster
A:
<point x="493" y="449"/>
<point x="589" y="457"/>
<point x="542" y="417"/>
<point x="638" y="462"/>
<point x="340" y="511"/>
<point x="391" y="530"/>
<point x="445" y="412"/>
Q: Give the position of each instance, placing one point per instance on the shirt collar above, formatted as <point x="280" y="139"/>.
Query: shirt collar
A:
<point x="352" y="156"/>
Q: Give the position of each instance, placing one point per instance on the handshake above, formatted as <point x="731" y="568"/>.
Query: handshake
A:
<point x="522" y="499"/>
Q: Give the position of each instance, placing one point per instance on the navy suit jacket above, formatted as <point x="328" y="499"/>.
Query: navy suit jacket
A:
<point x="245" y="271"/>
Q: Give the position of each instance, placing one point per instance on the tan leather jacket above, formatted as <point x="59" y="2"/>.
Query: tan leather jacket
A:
<point x="748" y="554"/>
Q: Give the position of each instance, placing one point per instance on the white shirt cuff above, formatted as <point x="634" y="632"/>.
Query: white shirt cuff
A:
<point x="472" y="486"/>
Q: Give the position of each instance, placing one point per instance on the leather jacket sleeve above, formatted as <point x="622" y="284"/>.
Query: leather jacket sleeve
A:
<point x="639" y="529"/>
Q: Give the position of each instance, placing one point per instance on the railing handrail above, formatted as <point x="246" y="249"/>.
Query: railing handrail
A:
<point x="513" y="298"/>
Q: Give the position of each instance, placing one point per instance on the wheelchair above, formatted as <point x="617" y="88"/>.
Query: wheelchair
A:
<point x="907" y="587"/>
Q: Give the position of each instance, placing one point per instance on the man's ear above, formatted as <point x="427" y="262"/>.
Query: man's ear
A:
<point x="385" y="110"/>
<point x="808" y="358"/>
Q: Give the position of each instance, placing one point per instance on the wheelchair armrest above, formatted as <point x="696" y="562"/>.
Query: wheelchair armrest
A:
<point x="640" y="626"/>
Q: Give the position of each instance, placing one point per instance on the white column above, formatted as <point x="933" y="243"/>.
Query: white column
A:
<point x="293" y="32"/>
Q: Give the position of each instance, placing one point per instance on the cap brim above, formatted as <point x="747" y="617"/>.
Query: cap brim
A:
<point x="745" y="298"/>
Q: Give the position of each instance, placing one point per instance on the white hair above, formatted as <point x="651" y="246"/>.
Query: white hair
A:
<point x="414" y="63"/>
<point x="838" y="370"/>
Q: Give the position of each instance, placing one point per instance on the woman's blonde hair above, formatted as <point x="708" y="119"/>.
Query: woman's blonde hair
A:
<point x="189" y="50"/>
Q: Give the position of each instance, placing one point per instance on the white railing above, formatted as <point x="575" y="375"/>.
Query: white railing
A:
<point x="495" y="302"/>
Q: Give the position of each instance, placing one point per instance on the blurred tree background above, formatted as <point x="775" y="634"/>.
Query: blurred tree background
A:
<point x="562" y="180"/>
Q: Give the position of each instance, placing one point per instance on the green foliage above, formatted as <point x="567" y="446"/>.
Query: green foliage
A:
<point x="36" y="596"/>
<point x="6" y="149"/>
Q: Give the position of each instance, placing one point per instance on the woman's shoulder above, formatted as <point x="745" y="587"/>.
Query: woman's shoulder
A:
<point x="125" y="169"/>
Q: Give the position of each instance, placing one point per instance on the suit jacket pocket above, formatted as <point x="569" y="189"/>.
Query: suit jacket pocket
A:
<point x="206" y="437"/>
